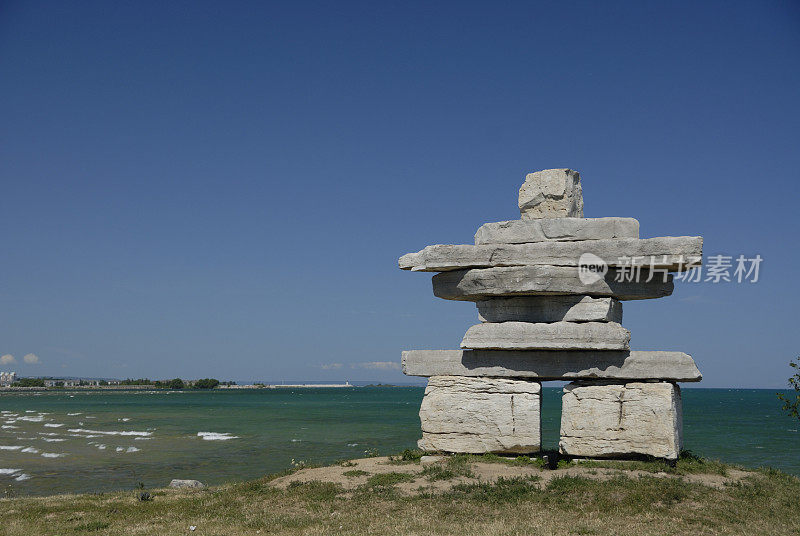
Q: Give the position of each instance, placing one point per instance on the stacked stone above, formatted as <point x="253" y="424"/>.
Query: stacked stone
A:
<point x="545" y="316"/>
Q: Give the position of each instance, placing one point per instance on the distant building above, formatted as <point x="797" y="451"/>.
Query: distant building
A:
<point x="59" y="382"/>
<point x="7" y="378"/>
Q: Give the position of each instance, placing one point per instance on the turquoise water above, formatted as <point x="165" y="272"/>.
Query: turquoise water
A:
<point x="90" y="441"/>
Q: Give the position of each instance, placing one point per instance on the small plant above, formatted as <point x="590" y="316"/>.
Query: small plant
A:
<point x="371" y="453"/>
<point x="144" y="496"/>
<point x="355" y="472"/>
<point x="411" y="455"/>
<point x="792" y="405"/>
<point x="389" y="479"/>
<point x="8" y="492"/>
<point x="298" y="464"/>
<point x="347" y="463"/>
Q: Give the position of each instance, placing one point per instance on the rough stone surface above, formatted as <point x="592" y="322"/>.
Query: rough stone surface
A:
<point x="665" y="253"/>
<point x="621" y="420"/>
<point x="550" y="309"/>
<point x="547" y="336"/>
<point x="563" y="229"/>
<point x="553" y="365"/>
<point x="177" y="483"/>
<point x="479" y="284"/>
<point x="551" y="193"/>
<point x="479" y="415"/>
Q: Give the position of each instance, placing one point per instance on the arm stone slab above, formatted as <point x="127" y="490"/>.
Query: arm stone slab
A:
<point x="481" y="283"/>
<point x="664" y="253"/>
<point x="553" y="365"/>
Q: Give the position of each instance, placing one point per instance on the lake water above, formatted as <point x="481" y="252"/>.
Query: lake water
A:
<point x="91" y="441"/>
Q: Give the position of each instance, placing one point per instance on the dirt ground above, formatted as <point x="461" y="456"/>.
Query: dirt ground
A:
<point x="483" y="473"/>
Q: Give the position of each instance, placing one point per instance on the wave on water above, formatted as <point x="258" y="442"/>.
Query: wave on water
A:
<point x="53" y="454"/>
<point x="110" y="432"/>
<point x="53" y="425"/>
<point x="53" y="439"/>
<point x="9" y="471"/>
<point x="216" y="436"/>
<point x="10" y="447"/>
<point x="74" y="414"/>
<point x="9" y="427"/>
<point x="17" y="474"/>
<point x="30" y="450"/>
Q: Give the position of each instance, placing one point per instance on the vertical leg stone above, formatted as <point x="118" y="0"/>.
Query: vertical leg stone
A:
<point x="480" y="415"/>
<point x="617" y="420"/>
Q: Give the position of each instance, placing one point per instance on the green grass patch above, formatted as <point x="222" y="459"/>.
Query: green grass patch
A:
<point x="389" y="479"/>
<point x="355" y="472"/>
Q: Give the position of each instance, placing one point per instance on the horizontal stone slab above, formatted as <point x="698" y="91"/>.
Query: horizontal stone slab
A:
<point x="621" y="420"/>
<point x="553" y="365"/>
<point x="550" y="309"/>
<point x="547" y="336"/>
<point x="482" y="283"/>
<point x="665" y="253"/>
<point x="480" y="415"/>
<point x="562" y="229"/>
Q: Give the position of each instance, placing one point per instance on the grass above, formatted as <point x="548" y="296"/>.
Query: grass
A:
<point x="355" y="472"/>
<point x="765" y="502"/>
<point x="389" y="479"/>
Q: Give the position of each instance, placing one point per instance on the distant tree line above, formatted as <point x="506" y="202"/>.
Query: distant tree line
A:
<point x="175" y="383"/>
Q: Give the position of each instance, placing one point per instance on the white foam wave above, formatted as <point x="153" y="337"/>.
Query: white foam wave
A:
<point x="53" y="454"/>
<point x="53" y="425"/>
<point x="112" y="432"/>
<point x="9" y="471"/>
<point x="10" y="447"/>
<point x="22" y="477"/>
<point x="9" y="427"/>
<point x="74" y="414"/>
<point x="31" y="450"/>
<point x="53" y="439"/>
<point x="216" y="436"/>
<point x="37" y="418"/>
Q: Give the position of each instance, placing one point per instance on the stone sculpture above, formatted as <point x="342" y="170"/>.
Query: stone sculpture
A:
<point x="542" y="319"/>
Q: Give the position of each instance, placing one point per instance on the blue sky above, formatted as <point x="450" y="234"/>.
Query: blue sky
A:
<point x="223" y="189"/>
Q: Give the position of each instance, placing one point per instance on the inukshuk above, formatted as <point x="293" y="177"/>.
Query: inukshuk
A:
<point x="549" y="288"/>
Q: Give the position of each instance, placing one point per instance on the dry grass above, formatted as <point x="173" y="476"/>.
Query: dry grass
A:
<point x="628" y="502"/>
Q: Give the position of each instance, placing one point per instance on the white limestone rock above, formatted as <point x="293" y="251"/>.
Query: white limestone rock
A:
<point x="551" y="193"/>
<point x="481" y="283"/>
<point x="664" y="253"/>
<point x="550" y="309"/>
<point x="480" y="415"/>
<point x="192" y="484"/>
<point x="553" y="365"/>
<point x="547" y="336"/>
<point x="621" y="420"/>
<point x="563" y="229"/>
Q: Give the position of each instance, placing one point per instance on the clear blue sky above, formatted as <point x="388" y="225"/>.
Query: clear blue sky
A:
<point x="223" y="188"/>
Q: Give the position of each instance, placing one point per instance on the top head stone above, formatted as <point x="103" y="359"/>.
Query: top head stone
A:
<point x="551" y="193"/>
